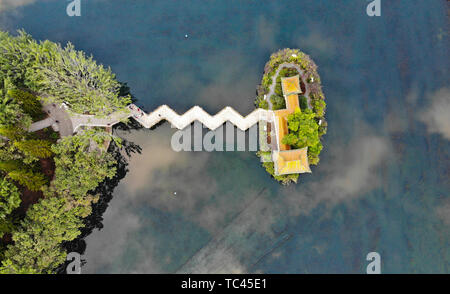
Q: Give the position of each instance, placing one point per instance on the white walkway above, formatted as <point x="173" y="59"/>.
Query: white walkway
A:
<point x="164" y="112"/>
<point x="196" y="113"/>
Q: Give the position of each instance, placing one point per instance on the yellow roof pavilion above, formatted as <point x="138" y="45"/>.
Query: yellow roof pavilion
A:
<point x="288" y="161"/>
<point x="291" y="161"/>
<point x="291" y="85"/>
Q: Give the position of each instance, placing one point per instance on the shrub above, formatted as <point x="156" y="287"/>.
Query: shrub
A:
<point x="303" y="102"/>
<point x="31" y="180"/>
<point x="303" y="132"/>
<point x="9" y="198"/>
<point x="35" y="148"/>
<point x="29" y="103"/>
<point x="78" y="169"/>
<point x="278" y="102"/>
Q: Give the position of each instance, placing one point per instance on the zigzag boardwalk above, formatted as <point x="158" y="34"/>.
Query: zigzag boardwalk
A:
<point x="164" y="112"/>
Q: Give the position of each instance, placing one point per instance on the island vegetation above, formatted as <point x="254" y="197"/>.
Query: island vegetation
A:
<point x="48" y="183"/>
<point x="307" y="125"/>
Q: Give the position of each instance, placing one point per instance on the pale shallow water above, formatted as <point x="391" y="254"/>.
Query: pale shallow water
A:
<point x="382" y="184"/>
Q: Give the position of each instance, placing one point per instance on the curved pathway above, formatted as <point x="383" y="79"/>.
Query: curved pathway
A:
<point x="274" y="82"/>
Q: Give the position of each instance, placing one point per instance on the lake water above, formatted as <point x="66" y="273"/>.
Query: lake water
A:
<point x="382" y="183"/>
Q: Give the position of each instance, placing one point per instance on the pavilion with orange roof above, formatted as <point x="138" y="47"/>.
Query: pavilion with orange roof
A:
<point x="287" y="161"/>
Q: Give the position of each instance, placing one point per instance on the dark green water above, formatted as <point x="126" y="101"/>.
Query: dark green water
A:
<point x="382" y="184"/>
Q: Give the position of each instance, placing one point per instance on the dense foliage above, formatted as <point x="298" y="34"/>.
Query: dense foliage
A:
<point x="31" y="236"/>
<point x="304" y="132"/>
<point x="37" y="243"/>
<point x="79" y="169"/>
<point x="9" y="200"/>
<point x="60" y="75"/>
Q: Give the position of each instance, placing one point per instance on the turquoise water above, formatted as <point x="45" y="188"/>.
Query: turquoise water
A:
<point x="382" y="183"/>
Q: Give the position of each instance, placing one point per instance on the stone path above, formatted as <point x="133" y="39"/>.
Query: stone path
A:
<point x="274" y="82"/>
<point x="58" y="119"/>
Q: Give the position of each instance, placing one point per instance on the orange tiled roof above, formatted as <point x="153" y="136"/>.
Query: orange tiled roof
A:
<point x="292" y="161"/>
<point x="291" y="85"/>
<point x="282" y="131"/>
<point x="292" y="102"/>
<point x="289" y="161"/>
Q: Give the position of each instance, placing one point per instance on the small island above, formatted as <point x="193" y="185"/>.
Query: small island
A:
<point x="290" y="140"/>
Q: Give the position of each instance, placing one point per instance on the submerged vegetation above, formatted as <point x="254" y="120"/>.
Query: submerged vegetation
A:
<point x="46" y="181"/>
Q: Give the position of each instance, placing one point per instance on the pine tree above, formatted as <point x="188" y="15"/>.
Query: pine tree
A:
<point x="12" y="132"/>
<point x="35" y="148"/>
<point x="10" y="165"/>
<point x="29" y="103"/>
<point x="9" y="198"/>
<point x="31" y="180"/>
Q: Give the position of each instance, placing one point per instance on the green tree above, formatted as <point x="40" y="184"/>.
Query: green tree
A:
<point x="303" y="129"/>
<point x="58" y="75"/>
<point x="304" y="132"/>
<point x="12" y="132"/>
<point x="37" y="244"/>
<point x="11" y="113"/>
<point x="63" y="74"/>
<point x="32" y="180"/>
<point x="278" y="102"/>
<point x="35" y="148"/>
<point x="9" y="267"/>
<point x="9" y="198"/>
<point x="319" y="107"/>
<point x="11" y="165"/>
<point x="303" y="102"/>
<point x="79" y="169"/>
<point x="29" y="103"/>
<point x="17" y="56"/>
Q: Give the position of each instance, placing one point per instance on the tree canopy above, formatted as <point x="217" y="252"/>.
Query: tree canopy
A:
<point x="32" y="73"/>
<point x="60" y="74"/>
<point x="79" y="169"/>
<point x="303" y="132"/>
<point x="9" y="198"/>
